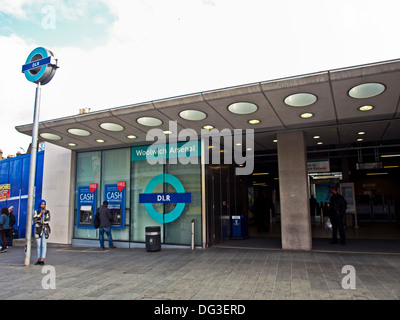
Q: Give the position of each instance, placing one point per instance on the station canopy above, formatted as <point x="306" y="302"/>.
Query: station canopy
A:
<point x="341" y="107"/>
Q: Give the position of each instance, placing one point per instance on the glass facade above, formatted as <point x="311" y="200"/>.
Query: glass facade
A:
<point x="150" y="191"/>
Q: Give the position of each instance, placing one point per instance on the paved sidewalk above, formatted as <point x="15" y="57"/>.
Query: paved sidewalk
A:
<point x="215" y="273"/>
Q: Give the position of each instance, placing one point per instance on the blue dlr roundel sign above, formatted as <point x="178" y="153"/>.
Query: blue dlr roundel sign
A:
<point x="180" y="198"/>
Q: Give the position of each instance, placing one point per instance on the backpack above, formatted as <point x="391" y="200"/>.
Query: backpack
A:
<point x="97" y="220"/>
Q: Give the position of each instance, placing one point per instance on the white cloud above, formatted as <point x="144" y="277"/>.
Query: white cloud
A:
<point x="158" y="49"/>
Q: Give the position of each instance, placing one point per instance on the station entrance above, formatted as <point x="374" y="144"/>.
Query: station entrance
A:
<point x="368" y="177"/>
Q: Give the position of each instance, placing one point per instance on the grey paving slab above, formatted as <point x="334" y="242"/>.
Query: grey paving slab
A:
<point x="209" y="274"/>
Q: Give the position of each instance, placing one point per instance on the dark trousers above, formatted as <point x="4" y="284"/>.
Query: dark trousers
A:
<point x="338" y="224"/>
<point x="3" y="239"/>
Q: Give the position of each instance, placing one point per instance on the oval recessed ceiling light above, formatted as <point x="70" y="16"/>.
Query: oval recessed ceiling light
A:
<point x="360" y="139"/>
<point x="111" y="126"/>
<point x="100" y="140"/>
<point x="306" y="115"/>
<point x="366" y="90"/>
<point x="242" y="107"/>
<point x="361" y="132"/>
<point x="254" y="121"/>
<point x="71" y="144"/>
<point x="149" y="121"/>
<point x="131" y="136"/>
<point x="300" y="99"/>
<point x="167" y="132"/>
<point x="365" y="108"/>
<point x="192" y="115"/>
<point x="79" y="132"/>
<point x="317" y="137"/>
<point x="50" y="136"/>
<point x="208" y="127"/>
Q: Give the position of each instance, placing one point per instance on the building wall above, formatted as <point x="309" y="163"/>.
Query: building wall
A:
<point x="58" y="177"/>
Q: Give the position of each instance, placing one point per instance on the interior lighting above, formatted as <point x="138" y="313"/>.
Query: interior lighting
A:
<point x="79" y="132"/>
<point x="390" y="155"/>
<point x="71" y="144"/>
<point x="167" y="132"/>
<point x="50" y="136"/>
<point x="131" y="136"/>
<point x="316" y="137"/>
<point x="192" y="115"/>
<point x="320" y="142"/>
<point x="149" y="121"/>
<point x="390" y="167"/>
<point x="300" y="99"/>
<point x="306" y="115"/>
<point x="254" y="121"/>
<point x="361" y="132"/>
<point x="360" y="139"/>
<point x="100" y="140"/>
<point x="208" y="127"/>
<point x="377" y="173"/>
<point x="243" y="107"/>
<point x="260" y="173"/>
<point x="365" y="108"/>
<point x="366" y="90"/>
<point x="111" y="126"/>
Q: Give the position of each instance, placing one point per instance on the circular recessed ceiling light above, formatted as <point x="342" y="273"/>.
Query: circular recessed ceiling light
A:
<point x="365" y="108"/>
<point x="79" y="132"/>
<point x="242" y="107"/>
<point x="111" y="126"/>
<point x="192" y="115"/>
<point x="320" y="142"/>
<point x="300" y="99"/>
<point x="306" y="115"/>
<point x="131" y="136"/>
<point x="360" y="139"/>
<point x="254" y="121"/>
<point x="366" y="90"/>
<point x="71" y="144"/>
<point x="167" y="132"/>
<point x="361" y="132"/>
<point x="100" y="140"/>
<point x="317" y="137"/>
<point x="208" y="127"/>
<point x="50" y="136"/>
<point x="149" y="121"/>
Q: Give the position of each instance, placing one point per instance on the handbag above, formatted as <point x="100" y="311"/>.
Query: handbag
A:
<point x="328" y="224"/>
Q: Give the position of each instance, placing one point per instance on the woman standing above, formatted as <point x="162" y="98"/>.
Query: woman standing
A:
<point x="42" y="230"/>
<point x="3" y="228"/>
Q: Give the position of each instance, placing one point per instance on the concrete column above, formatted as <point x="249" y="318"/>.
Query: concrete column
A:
<point x="294" y="195"/>
<point x="58" y="182"/>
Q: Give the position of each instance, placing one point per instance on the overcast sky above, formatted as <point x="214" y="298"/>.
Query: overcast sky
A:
<point x="113" y="53"/>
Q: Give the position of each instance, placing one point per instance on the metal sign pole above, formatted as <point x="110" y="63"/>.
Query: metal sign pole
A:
<point x="32" y="175"/>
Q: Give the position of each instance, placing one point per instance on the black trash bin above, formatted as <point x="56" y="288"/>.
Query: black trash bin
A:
<point x="153" y="239"/>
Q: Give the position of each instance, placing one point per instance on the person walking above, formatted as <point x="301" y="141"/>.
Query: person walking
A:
<point x="42" y="230"/>
<point x="337" y="212"/>
<point x="3" y="228"/>
<point x="10" y="230"/>
<point x="105" y="225"/>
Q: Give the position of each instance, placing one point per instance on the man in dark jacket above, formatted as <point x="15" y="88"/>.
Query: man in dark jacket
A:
<point x="105" y="225"/>
<point x="337" y="212"/>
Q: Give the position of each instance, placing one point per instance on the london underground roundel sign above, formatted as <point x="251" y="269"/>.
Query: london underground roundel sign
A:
<point x="40" y="66"/>
<point x="149" y="197"/>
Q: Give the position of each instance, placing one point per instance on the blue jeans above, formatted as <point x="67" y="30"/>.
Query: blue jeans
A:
<point x="41" y="245"/>
<point x="108" y="232"/>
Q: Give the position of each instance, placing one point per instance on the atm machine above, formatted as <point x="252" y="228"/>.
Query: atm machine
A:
<point x="86" y="215"/>
<point x="116" y="214"/>
<point x="86" y="206"/>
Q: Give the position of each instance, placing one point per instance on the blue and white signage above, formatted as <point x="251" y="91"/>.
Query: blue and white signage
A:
<point x="114" y="194"/>
<point x="40" y="66"/>
<point x="180" y="198"/>
<point x="87" y="200"/>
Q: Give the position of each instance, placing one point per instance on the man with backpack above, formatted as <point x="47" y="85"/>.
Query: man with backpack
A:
<point x="337" y="213"/>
